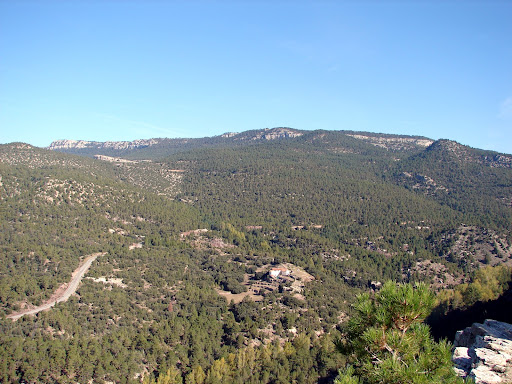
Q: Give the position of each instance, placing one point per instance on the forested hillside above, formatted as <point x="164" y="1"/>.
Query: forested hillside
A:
<point x="235" y="258"/>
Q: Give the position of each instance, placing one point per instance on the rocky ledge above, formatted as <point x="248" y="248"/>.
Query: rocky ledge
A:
<point x="483" y="352"/>
<point x="118" y="145"/>
<point x="393" y="142"/>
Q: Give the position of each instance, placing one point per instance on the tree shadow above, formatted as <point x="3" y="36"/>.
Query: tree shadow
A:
<point x="445" y="325"/>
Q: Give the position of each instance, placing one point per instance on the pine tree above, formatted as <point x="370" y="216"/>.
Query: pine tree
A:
<point x="172" y="376"/>
<point x="196" y="376"/>
<point x="389" y="342"/>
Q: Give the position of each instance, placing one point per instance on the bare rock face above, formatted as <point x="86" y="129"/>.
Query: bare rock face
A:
<point x="277" y="133"/>
<point x="393" y="142"/>
<point x="264" y="134"/>
<point x="483" y="352"/>
<point x="118" y="145"/>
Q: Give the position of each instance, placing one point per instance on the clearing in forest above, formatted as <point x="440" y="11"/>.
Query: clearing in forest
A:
<point x="257" y="288"/>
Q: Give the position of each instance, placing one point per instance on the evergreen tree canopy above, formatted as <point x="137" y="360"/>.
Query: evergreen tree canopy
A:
<point x="389" y="342"/>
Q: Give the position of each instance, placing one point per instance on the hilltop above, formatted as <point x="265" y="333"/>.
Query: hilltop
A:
<point x="161" y="147"/>
<point x="183" y="224"/>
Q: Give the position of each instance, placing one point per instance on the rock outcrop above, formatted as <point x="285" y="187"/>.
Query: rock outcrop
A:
<point x="265" y="134"/>
<point x="393" y="142"/>
<point x="117" y="145"/>
<point x="483" y="352"/>
<point x="279" y="133"/>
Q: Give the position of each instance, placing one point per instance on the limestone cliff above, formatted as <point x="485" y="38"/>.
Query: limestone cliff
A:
<point x="117" y="145"/>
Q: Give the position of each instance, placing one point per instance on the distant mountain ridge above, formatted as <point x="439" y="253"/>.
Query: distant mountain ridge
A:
<point x="162" y="147"/>
<point x="266" y="134"/>
<point x="118" y="145"/>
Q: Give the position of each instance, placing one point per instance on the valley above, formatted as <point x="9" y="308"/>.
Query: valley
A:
<point x="235" y="258"/>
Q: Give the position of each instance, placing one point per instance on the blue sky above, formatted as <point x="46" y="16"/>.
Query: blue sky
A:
<point x="125" y="70"/>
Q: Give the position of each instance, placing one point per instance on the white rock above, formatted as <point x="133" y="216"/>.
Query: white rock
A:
<point x="483" y="375"/>
<point x="461" y="358"/>
<point x="484" y="352"/>
<point x="491" y="358"/>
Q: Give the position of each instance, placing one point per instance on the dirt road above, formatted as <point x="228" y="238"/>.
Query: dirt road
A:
<point x="61" y="295"/>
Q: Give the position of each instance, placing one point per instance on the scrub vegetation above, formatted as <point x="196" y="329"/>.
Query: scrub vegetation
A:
<point x="186" y="288"/>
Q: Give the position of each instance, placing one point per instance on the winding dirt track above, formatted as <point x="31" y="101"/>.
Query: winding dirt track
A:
<point x="64" y="295"/>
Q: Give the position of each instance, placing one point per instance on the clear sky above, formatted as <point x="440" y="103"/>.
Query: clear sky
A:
<point x="124" y="70"/>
